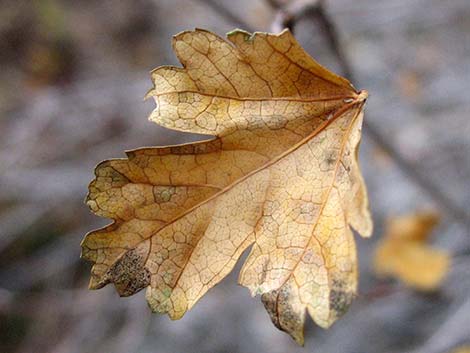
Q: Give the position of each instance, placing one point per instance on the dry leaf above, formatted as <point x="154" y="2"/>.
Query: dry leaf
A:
<point x="462" y="349"/>
<point x="280" y="174"/>
<point x="404" y="254"/>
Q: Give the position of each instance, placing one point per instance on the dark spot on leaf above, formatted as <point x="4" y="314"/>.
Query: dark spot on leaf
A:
<point x="282" y="314"/>
<point x="340" y="301"/>
<point x="129" y="274"/>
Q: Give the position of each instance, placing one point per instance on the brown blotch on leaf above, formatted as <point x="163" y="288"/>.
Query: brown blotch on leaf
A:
<point x="129" y="274"/>
<point x="340" y="301"/>
<point x="282" y="313"/>
<point x="270" y="303"/>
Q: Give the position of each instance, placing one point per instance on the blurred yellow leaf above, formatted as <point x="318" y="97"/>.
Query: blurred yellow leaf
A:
<point x="462" y="349"/>
<point x="404" y="254"/>
<point x="280" y="173"/>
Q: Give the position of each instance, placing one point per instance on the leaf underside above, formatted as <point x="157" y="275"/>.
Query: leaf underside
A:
<point x="280" y="175"/>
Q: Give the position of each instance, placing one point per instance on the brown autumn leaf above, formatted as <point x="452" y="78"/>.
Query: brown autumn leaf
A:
<point x="280" y="175"/>
<point x="403" y="252"/>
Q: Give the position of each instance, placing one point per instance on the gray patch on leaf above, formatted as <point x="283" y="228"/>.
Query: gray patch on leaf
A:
<point x="340" y="301"/>
<point x="129" y="274"/>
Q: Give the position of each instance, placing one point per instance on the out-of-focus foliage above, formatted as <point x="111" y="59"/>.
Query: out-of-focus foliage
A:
<point x="403" y="252"/>
<point x="462" y="349"/>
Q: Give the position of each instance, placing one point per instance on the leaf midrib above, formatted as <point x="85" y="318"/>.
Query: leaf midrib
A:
<point x="299" y="144"/>
<point x="255" y="99"/>
<point x="323" y="203"/>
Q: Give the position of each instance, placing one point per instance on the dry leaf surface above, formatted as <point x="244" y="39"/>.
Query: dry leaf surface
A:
<point x="280" y="174"/>
<point x="404" y="253"/>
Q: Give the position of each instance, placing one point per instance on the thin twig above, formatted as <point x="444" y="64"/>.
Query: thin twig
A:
<point x="226" y="13"/>
<point x="318" y="11"/>
<point x="326" y="24"/>
<point x="454" y="210"/>
<point x="283" y="19"/>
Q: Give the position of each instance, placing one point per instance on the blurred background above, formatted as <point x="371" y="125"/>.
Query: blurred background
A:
<point x="72" y="78"/>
